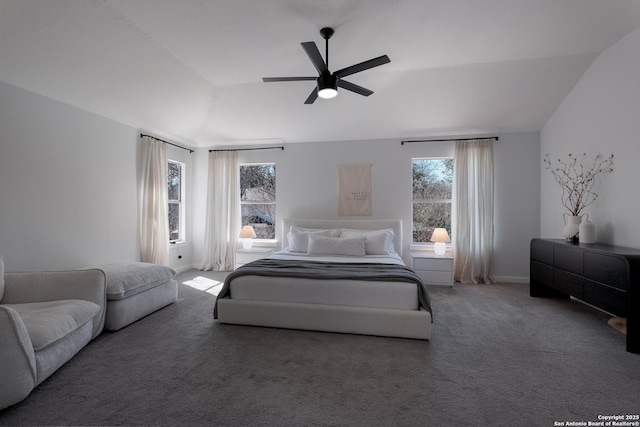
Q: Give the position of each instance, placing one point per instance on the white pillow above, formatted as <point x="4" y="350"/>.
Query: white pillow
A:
<point x="1" y="277"/>
<point x="379" y="242"/>
<point x="335" y="232"/>
<point x="299" y="237"/>
<point x="336" y="245"/>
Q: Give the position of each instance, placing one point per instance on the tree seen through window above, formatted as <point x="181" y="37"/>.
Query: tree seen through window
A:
<point x="174" y="183"/>
<point x="258" y="198"/>
<point x="432" y="193"/>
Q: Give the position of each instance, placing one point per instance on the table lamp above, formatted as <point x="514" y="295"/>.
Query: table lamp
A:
<point x="440" y="237"/>
<point x="247" y="234"/>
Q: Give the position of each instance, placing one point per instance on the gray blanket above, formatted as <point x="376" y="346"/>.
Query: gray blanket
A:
<point x="328" y="271"/>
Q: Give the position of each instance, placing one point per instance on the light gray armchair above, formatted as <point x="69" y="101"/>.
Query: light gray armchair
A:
<point x="45" y="319"/>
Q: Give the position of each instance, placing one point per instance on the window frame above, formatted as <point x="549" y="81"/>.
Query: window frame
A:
<point x="248" y="202"/>
<point x="426" y="245"/>
<point x="180" y="202"/>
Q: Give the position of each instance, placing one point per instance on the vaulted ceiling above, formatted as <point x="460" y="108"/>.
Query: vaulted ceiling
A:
<point x="191" y="70"/>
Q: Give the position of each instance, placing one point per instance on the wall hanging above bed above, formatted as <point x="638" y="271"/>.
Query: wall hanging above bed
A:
<point x="354" y="190"/>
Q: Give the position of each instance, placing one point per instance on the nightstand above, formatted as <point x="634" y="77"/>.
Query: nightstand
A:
<point x="433" y="269"/>
<point x="244" y="256"/>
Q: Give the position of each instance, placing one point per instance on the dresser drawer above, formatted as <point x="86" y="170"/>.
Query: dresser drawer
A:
<point x="542" y="251"/>
<point x="433" y="264"/>
<point x="245" y="256"/>
<point x="605" y="297"/>
<point x="607" y="269"/>
<point x="568" y="283"/>
<point x="568" y="259"/>
<point x="433" y="269"/>
<point x="542" y="273"/>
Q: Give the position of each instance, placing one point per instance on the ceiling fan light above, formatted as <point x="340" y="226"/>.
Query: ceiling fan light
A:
<point x="327" y="93"/>
<point x="327" y="86"/>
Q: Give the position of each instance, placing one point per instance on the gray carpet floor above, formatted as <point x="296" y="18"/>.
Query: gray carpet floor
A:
<point x="497" y="358"/>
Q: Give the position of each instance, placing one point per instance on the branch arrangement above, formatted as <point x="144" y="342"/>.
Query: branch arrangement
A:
<point x="576" y="179"/>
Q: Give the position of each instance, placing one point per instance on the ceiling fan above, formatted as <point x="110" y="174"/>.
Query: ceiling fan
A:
<point x="328" y="82"/>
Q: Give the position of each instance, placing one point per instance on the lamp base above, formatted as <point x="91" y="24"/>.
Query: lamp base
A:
<point x="247" y="243"/>
<point x="440" y="248"/>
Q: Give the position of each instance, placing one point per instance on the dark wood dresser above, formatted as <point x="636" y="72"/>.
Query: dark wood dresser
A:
<point x="605" y="276"/>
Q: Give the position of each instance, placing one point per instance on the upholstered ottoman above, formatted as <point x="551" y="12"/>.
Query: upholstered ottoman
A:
<point x="136" y="290"/>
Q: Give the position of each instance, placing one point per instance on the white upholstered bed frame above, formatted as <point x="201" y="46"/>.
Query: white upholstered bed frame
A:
<point x="331" y="318"/>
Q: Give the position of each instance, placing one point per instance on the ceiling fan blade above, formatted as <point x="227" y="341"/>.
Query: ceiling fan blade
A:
<point x="314" y="55"/>
<point x="384" y="59"/>
<point x="287" y="79"/>
<point x="311" y="99"/>
<point x="354" y="88"/>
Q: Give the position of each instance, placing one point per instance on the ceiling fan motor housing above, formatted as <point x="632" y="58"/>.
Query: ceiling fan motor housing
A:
<point x="327" y="85"/>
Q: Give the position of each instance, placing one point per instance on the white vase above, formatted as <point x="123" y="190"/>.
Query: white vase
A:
<point x="571" y="226"/>
<point x="587" y="232"/>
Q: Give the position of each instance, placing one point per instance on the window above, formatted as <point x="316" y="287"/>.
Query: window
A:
<point x="258" y="198"/>
<point x="432" y="192"/>
<point x="175" y="183"/>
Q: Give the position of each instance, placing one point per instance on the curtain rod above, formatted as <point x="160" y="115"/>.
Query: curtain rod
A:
<point x="450" y="139"/>
<point x="245" y="149"/>
<point x="167" y="142"/>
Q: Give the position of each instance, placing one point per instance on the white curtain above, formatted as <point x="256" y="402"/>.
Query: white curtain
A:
<point x="473" y="245"/>
<point x="223" y="211"/>
<point x="154" y="221"/>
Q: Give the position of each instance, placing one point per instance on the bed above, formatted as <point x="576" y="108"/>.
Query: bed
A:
<point x="343" y="276"/>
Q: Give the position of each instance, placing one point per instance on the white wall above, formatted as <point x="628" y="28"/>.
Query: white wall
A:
<point x="68" y="196"/>
<point x="517" y="203"/>
<point x="307" y="187"/>
<point x="600" y="115"/>
<point x="68" y="186"/>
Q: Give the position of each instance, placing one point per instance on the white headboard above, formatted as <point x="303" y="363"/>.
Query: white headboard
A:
<point x="359" y="224"/>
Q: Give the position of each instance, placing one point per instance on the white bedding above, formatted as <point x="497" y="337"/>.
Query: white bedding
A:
<point x="355" y="293"/>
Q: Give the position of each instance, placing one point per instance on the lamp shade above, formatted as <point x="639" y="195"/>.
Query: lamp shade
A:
<point x="247" y="232"/>
<point x="441" y="238"/>
<point x="440" y="235"/>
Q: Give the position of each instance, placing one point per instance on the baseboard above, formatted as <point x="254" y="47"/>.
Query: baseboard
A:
<point x="511" y="279"/>
<point x="186" y="268"/>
